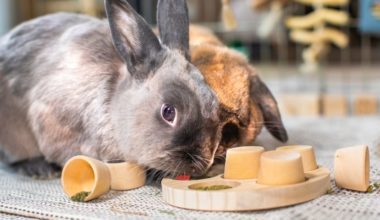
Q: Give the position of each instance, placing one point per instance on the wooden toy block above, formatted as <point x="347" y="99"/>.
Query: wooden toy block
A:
<point x="125" y="176"/>
<point x="299" y="104"/>
<point x="280" y="168"/>
<point x="243" y="162"/>
<point x="351" y="168"/>
<point x="221" y="194"/>
<point x="84" y="178"/>
<point x="309" y="162"/>
<point x="334" y="105"/>
<point x="365" y="105"/>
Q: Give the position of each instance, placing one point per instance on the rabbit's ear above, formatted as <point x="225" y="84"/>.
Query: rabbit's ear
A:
<point x="261" y="95"/>
<point x="133" y="38"/>
<point x="173" y="25"/>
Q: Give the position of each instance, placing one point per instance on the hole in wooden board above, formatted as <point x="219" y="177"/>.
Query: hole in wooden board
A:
<point x="214" y="185"/>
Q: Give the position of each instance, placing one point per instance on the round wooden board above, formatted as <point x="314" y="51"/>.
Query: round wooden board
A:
<point x="245" y="195"/>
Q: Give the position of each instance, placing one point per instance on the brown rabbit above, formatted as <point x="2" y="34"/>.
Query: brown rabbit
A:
<point x="246" y="104"/>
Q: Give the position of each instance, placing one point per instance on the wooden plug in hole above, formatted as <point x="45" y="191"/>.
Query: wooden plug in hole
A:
<point x="280" y="168"/>
<point x="309" y="162"/>
<point x="243" y="162"/>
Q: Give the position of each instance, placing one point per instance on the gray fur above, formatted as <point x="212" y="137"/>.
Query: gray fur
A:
<point x="174" y="31"/>
<point x="65" y="90"/>
<point x="141" y="50"/>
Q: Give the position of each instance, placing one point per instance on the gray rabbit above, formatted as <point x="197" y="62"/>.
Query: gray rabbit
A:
<point x="71" y="84"/>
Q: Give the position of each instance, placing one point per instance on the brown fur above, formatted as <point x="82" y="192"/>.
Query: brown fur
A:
<point x="227" y="72"/>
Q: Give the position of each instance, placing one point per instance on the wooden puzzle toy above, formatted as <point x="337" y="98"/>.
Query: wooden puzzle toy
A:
<point x="351" y="168"/>
<point x="84" y="178"/>
<point x="281" y="182"/>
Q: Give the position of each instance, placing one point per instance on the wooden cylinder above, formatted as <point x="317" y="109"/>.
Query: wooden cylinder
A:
<point x="85" y="174"/>
<point x="351" y="168"/>
<point x="243" y="162"/>
<point x="125" y="176"/>
<point x="280" y="168"/>
<point x="307" y="154"/>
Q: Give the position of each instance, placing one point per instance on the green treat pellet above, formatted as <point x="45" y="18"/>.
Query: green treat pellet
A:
<point x="330" y="191"/>
<point x="373" y="187"/>
<point x="370" y="189"/>
<point x="80" y="197"/>
<point x="167" y="212"/>
<point x="213" y="187"/>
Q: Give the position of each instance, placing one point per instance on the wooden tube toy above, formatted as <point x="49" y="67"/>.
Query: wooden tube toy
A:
<point x="351" y="168"/>
<point x="280" y="168"/>
<point x="307" y="154"/>
<point x="84" y="178"/>
<point x="243" y="162"/>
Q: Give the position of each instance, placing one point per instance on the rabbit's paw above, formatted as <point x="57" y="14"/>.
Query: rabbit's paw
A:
<point x="37" y="168"/>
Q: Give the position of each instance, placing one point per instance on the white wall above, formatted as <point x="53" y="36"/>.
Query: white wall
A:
<point x="7" y="15"/>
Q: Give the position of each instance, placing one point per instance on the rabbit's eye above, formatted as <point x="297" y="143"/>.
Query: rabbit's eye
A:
<point x="168" y="113"/>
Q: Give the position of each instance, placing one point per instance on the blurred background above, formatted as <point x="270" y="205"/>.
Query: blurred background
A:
<point x="319" y="57"/>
